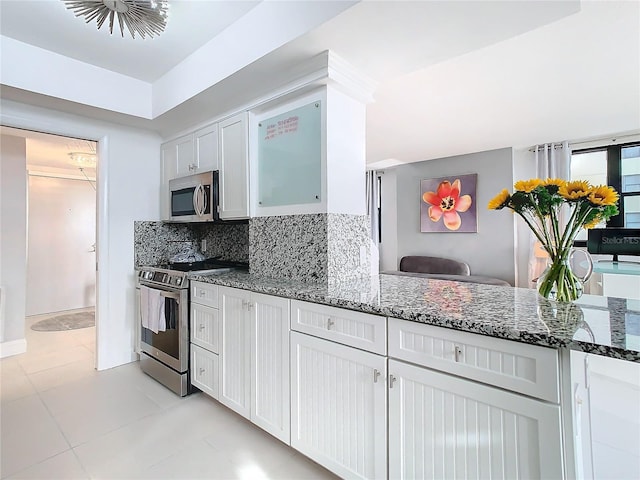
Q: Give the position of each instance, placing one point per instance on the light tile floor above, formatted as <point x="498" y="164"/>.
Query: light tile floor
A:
<point x="61" y="419"/>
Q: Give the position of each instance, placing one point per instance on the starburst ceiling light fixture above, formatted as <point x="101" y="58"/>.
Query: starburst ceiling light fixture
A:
<point x="142" y="17"/>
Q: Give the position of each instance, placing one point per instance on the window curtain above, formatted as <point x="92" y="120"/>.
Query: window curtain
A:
<point x="553" y="160"/>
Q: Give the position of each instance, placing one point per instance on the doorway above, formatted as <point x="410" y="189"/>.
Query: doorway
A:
<point x="61" y="243"/>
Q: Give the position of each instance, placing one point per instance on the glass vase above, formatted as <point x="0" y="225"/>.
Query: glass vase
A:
<point x="559" y="282"/>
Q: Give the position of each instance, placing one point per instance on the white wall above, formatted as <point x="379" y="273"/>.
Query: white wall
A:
<point x="62" y="229"/>
<point x="128" y="180"/>
<point x="490" y="251"/>
<point x="13" y="238"/>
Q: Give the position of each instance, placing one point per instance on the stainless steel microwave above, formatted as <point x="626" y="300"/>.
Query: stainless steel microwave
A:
<point x="194" y="198"/>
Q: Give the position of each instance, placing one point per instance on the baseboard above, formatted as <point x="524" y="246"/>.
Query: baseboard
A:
<point x="14" y="347"/>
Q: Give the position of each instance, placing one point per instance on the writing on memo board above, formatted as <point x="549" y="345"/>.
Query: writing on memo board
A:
<point x="289" y="157"/>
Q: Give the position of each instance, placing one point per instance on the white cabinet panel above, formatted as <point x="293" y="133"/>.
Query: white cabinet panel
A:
<point x="339" y="411"/>
<point x="204" y="370"/>
<point x="443" y="427"/>
<point x="204" y="293"/>
<point x="270" y="365"/>
<point x="235" y="361"/>
<point x="529" y="369"/>
<point x="355" y="329"/>
<point x="206" y="148"/>
<point x="234" y="167"/>
<point x="205" y="327"/>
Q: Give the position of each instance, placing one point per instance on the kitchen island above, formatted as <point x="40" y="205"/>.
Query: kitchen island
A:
<point x="405" y="377"/>
<point x="503" y="312"/>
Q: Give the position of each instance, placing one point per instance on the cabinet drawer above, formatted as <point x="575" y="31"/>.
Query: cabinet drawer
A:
<point x="204" y="327"/>
<point x="528" y="369"/>
<point x="356" y="329"/>
<point x="204" y="293"/>
<point x="204" y="370"/>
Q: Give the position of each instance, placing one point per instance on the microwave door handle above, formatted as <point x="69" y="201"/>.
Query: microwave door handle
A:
<point x="195" y="199"/>
<point x="200" y="210"/>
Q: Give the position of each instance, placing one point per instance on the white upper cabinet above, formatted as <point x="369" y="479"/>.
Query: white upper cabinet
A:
<point x="234" y="171"/>
<point x="205" y="143"/>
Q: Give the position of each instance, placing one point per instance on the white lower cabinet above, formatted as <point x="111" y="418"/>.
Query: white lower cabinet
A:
<point x="254" y="358"/>
<point x="204" y="370"/>
<point x="204" y="327"/>
<point x="445" y="427"/>
<point x="339" y="407"/>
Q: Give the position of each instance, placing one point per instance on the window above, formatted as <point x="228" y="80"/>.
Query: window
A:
<point x="619" y="167"/>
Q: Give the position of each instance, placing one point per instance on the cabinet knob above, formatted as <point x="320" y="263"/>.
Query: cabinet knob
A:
<point x="376" y="374"/>
<point x="330" y="323"/>
<point x="392" y="380"/>
<point x="200" y="370"/>
<point x="201" y="327"/>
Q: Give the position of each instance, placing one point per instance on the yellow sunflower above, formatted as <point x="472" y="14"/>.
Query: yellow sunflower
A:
<point x="528" y="186"/>
<point x="603" y="195"/>
<point x="558" y="182"/>
<point x="593" y="223"/>
<point x="575" y="190"/>
<point x="499" y="200"/>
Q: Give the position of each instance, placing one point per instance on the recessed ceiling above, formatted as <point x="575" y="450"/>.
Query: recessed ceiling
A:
<point x="48" y="24"/>
<point x="454" y="77"/>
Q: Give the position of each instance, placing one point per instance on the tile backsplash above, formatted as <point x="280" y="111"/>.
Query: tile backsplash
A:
<point x="156" y="242"/>
<point x="312" y="248"/>
<point x="318" y="248"/>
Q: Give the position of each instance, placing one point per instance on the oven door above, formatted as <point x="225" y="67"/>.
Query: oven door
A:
<point x="171" y="346"/>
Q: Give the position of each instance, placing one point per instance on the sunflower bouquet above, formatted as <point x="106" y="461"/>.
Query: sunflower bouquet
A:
<point x="539" y="203"/>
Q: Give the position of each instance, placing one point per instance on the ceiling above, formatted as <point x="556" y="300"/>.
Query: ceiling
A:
<point x="453" y="77"/>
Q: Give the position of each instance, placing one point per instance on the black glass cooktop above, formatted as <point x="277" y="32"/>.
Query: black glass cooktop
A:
<point x="209" y="264"/>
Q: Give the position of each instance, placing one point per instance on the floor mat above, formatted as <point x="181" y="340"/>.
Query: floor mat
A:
<point x="66" y="321"/>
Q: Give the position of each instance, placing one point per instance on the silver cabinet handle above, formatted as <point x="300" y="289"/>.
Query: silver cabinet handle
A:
<point x="392" y="379"/>
<point x="245" y="304"/>
<point x="376" y="374"/>
<point x="201" y="327"/>
<point x="330" y="323"/>
<point x="457" y="353"/>
<point x="200" y="371"/>
<point x="249" y="305"/>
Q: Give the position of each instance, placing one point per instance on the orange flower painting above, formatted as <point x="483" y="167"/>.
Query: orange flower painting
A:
<point x="448" y="206"/>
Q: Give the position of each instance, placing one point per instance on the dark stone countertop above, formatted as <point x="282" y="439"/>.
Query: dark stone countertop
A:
<point x="594" y="324"/>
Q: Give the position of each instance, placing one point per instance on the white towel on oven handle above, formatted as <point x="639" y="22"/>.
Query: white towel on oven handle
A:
<point x="152" y="309"/>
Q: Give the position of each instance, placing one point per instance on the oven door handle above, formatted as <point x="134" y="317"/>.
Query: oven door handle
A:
<point x="174" y="296"/>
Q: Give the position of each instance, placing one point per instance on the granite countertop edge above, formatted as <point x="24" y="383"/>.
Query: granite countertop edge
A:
<point x="310" y="292"/>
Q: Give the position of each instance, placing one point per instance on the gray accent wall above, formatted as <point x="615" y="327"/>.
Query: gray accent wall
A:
<point x="489" y="252"/>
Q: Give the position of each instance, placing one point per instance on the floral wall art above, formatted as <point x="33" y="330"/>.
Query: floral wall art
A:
<point x="448" y="204"/>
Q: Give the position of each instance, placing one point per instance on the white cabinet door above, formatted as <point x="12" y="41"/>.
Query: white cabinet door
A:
<point x="235" y="361"/>
<point x="178" y="158"/>
<point x="206" y="148"/>
<point x="444" y="427"/>
<point x="185" y="159"/>
<point x="234" y="171"/>
<point x="270" y="365"/>
<point x="339" y="407"/>
<point x="205" y="327"/>
<point x="204" y="370"/>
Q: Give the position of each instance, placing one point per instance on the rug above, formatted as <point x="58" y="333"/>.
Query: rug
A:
<point x="66" y="321"/>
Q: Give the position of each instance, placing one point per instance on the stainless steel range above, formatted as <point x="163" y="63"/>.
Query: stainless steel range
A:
<point x="162" y="292"/>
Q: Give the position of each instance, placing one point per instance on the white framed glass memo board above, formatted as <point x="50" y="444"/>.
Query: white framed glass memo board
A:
<point x="290" y="157"/>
